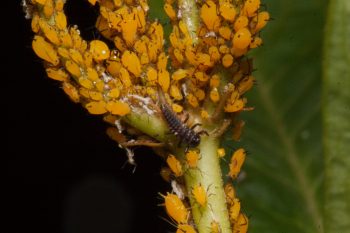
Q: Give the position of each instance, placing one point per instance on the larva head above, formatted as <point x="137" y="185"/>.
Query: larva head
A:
<point x="195" y="140"/>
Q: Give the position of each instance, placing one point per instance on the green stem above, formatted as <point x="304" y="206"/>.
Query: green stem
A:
<point x="208" y="174"/>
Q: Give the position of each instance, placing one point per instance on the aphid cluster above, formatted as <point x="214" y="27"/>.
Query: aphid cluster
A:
<point x="206" y="78"/>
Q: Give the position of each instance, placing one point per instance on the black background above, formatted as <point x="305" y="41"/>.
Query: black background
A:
<point x="63" y="173"/>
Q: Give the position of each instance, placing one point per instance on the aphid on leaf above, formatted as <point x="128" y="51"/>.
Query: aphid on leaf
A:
<point x="199" y="194"/>
<point x="192" y="158"/>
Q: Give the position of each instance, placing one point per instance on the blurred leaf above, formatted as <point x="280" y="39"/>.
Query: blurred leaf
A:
<point x="336" y="115"/>
<point x="282" y="183"/>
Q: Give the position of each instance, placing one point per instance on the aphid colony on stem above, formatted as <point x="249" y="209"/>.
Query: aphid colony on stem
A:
<point x="143" y="96"/>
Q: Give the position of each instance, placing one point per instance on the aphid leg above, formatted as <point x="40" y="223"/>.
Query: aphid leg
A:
<point x="186" y="118"/>
<point x="222" y="129"/>
<point x="195" y="125"/>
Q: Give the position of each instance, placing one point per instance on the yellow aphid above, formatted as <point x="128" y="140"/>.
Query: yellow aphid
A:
<point x="221" y="152"/>
<point x="63" y="52"/>
<point x="257" y="41"/>
<point x="237" y="130"/>
<point x="60" y="20"/>
<point x="152" y="51"/>
<point x="204" y="59"/>
<point x="86" y="83"/>
<point x="95" y="95"/>
<point x="45" y="50"/>
<point x="230" y="193"/>
<point x="57" y="74"/>
<point x="119" y="44"/>
<point x="236" y="52"/>
<point x="215" y="227"/>
<point x="199" y="195"/>
<point x="175" y="92"/>
<point x="235" y="209"/>
<point x="162" y="61"/>
<point x="96" y="107"/>
<point x="215" y="81"/>
<point x="140" y="46"/>
<point x="236" y="163"/>
<point x="241" y="22"/>
<point x="144" y="59"/>
<point x="227" y="60"/>
<point x="118" y="108"/>
<point x="100" y="85"/>
<point x="241" y="225"/>
<point x="65" y="38"/>
<point x="50" y="32"/>
<point x="76" y="56"/>
<point x="131" y="62"/>
<point x="209" y="15"/>
<point x="125" y="77"/>
<point x="71" y="91"/>
<point x="178" y="55"/>
<point x="225" y="32"/>
<point x="88" y="59"/>
<point x="227" y="11"/>
<point x="242" y="38"/>
<point x="191" y="56"/>
<point x="175" y="208"/>
<point x="185" y="228"/>
<point x="84" y="92"/>
<point x="204" y="114"/>
<point x="174" y="165"/>
<point x="179" y="74"/>
<point x="261" y="20"/>
<point x="234" y="106"/>
<point x="129" y="29"/>
<point x="140" y="19"/>
<point x="152" y="75"/>
<point x="250" y="7"/>
<point x="192" y="158"/>
<point x="156" y="33"/>
<point x="48" y="8"/>
<point x="113" y="65"/>
<point x="224" y="49"/>
<point x="245" y="84"/>
<point x="59" y="4"/>
<point x="214" y="53"/>
<point x="192" y="100"/>
<point x="35" y="23"/>
<point x="92" y="74"/>
<point x="169" y="10"/>
<point x="164" y="79"/>
<point x="199" y="93"/>
<point x="214" y="95"/>
<point x="183" y="28"/>
<point x="201" y="76"/>
<point x="73" y="68"/>
<point x="99" y="50"/>
<point x="144" y="5"/>
<point x="177" y="108"/>
<point x="114" y="93"/>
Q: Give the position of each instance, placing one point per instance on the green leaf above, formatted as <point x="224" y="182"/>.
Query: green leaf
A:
<point x="336" y="115"/>
<point x="281" y="187"/>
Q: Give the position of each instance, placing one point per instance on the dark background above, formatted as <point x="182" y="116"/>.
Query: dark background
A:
<point x="63" y="173"/>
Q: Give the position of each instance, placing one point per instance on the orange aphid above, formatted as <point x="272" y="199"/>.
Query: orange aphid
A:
<point x="241" y="22"/>
<point x="164" y="79"/>
<point x="250" y="7"/>
<point x="60" y="20"/>
<point x="241" y="225"/>
<point x="209" y="15"/>
<point x="235" y="209"/>
<point x="45" y="50"/>
<point x="227" y="11"/>
<point x="236" y="163"/>
<point x="57" y="74"/>
<point x="230" y="193"/>
<point x="214" y="95"/>
<point x="257" y="41"/>
<point x="174" y="165"/>
<point x="99" y="50"/>
<point x="261" y="20"/>
<point x="71" y="91"/>
<point x="131" y="62"/>
<point x="96" y="107"/>
<point x="199" y="195"/>
<point x="175" y="208"/>
<point x="73" y="68"/>
<point x="221" y="152"/>
<point x="245" y="84"/>
<point x="177" y="108"/>
<point x="118" y="108"/>
<point x="169" y="10"/>
<point x="242" y="38"/>
<point x="237" y="130"/>
<point x="215" y="227"/>
<point x="192" y="158"/>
